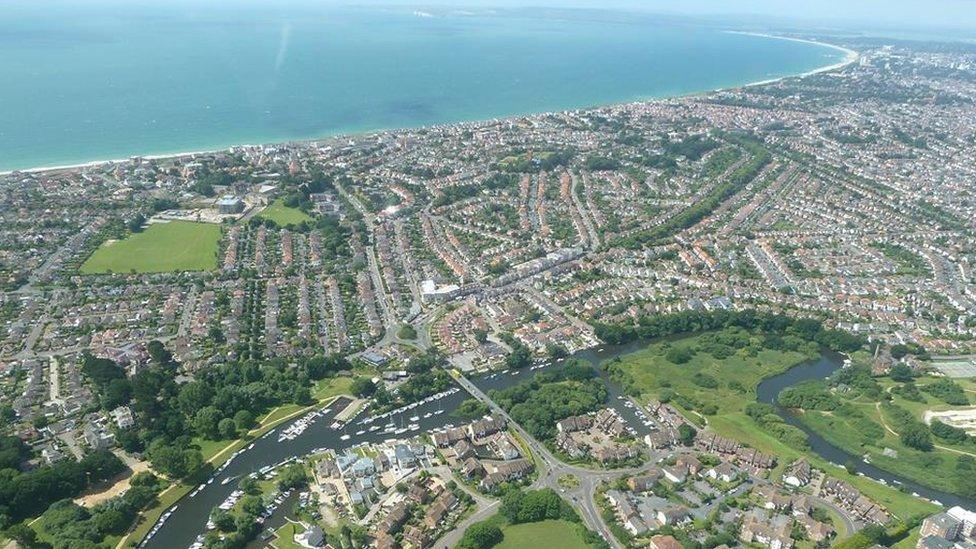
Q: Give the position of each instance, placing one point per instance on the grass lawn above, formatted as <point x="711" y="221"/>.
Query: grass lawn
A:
<point x="569" y="481"/>
<point x="548" y="533"/>
<point x="330" y="387"/>
<point x="161" y="247"/>
<point x="910" y="541"/>
<point x="283" y="215"/>
<point x="210" y="448"/>
<point x="285" y="536"/>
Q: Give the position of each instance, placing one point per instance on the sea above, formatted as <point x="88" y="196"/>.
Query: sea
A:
<point x="87" y="81"/>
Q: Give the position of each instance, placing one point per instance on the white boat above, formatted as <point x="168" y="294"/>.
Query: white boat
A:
<point x="344" y="437"/>
<point x="415" y="418"/>
<point x="360" y="432"/>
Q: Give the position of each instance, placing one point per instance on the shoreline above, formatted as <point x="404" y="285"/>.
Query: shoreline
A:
<point x="850" y="57"/>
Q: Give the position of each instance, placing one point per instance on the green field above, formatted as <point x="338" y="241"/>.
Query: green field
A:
<point x="161" y="247"/>
<point x="548" y="533"/>
<point x="283" y="215"/>
<point x="737" y="376"/>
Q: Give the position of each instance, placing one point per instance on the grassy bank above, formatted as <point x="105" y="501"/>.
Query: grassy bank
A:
<point x="937" y="468"/>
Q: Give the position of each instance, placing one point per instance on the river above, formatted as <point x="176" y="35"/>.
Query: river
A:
<point x="190" y="516"/>
<point x="827" y="364"/>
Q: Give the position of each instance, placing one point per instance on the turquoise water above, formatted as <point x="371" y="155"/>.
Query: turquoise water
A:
<point x="102" y="83"/>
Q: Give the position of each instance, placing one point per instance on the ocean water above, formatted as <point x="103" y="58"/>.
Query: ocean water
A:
<point x="82" y="84"/>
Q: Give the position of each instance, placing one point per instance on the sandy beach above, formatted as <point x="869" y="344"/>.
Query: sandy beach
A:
<point x="850" y="56"/>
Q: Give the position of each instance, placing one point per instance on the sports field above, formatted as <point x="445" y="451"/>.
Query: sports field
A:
<point x="548" y="533"/>
<point x="162" y="247"/>
<point x="284" y="215"/>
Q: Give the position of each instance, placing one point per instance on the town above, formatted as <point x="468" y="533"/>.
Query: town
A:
<point x="419" y="317"/>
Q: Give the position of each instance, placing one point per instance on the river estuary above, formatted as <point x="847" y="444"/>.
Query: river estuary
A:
<point x="188" y="518"/>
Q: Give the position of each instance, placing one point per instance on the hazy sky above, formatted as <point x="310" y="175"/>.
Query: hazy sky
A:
<point x="909" y="13"/>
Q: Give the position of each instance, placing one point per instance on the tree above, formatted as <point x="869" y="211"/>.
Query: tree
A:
<point x="173" y="461"/>
<point x="101" y="465"/>
<point x="469" y="409"/>
<point x="556" y="351"/>
<point x="686" y="434"/>
<point x="100" y="370"/>
<point x="252" y="505"/>
<point x="227" y="428"/>
<point x="481" y="535"/>
<point x="111" y="521"/>
<point x="223" y="520"/>
<point x="206" y="422"/>
<point x="916" y="435"/>
<point x="22" y="534"/>
<point x="901" y="372"/>
<point x="194" y="396"/>
<point x="362" y="387"/>
<point x="244" y="419"/>
<point x="216" y="335"/>
<point x="117" y="393"/>
<point x="679" y="355"/>
<point x="144" y="478"/>
<point x="520" y="506"/>
<point x="249" y="485"/>
<point x="407" y="331"/>
<point x="158" y="353"/>
<point x="899" y="351"/>
<point x="291" y="477"/>
<point x="13" y="451"/>
<point x="519" y="358"/>
<point x="135" y="224"/>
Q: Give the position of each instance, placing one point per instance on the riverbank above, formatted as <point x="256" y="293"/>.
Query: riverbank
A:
<point x="177" y="491"/>
<point x="736" y="388"/>
<point x="868" y="428"/>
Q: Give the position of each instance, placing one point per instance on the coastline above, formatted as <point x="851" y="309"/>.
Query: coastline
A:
<point x="850" y="57"/>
